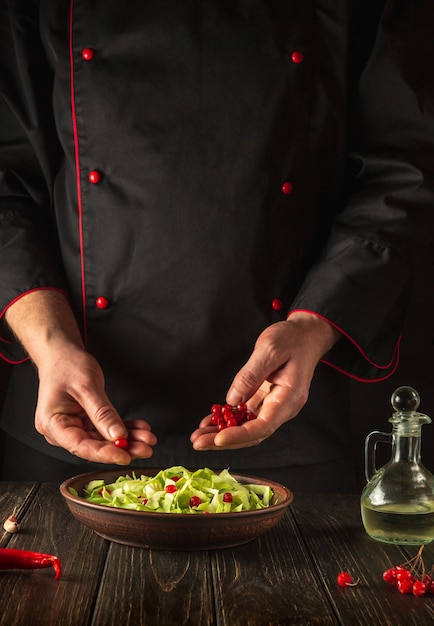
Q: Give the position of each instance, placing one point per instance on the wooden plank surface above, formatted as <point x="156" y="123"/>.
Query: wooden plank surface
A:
<point x="286" y="576"/>
<point x="34" y="597"/>
<point x="155" y="587"/>
<point x="270" y="582"/>
<point x="14" y="499"/>
<point x="332" y="527"/>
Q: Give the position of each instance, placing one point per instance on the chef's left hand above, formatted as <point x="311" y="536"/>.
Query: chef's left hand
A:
<point x="274" y="382"/>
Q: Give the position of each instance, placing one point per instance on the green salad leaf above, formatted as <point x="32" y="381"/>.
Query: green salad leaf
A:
<point x="178" y="490"/>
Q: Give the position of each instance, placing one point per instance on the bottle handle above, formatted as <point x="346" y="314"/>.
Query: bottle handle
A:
<point x="371" y="442"/>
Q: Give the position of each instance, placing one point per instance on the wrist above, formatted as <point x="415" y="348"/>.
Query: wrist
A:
<point x="43" y="322"/>
<point x="321" y="332"/>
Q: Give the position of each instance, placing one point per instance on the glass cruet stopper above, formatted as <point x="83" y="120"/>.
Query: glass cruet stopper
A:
<point x="397" y="503"/>
<point x="405" y="399"/>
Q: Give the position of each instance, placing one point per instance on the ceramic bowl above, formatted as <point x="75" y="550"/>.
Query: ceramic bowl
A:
<point x="167" y="531"/>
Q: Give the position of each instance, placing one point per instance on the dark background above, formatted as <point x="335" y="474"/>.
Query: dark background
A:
<point x="370" y="402"/>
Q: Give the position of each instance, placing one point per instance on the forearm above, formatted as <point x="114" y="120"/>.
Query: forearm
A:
<point x="43" y="322"/>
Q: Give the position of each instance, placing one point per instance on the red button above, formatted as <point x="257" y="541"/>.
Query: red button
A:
<point x="297" y="56"/>
<point x="94" y="177"/>
<point x="287" y="188"/>
<point x="102" y="302"/>
<point x="88" y="54"/>
<point x="277" y="304"/>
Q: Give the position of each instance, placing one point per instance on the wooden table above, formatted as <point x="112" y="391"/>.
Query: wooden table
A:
<point x="287" y="576"/>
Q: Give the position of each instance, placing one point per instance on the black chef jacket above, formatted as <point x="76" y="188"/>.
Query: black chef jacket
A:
<point x="185" y="171"/>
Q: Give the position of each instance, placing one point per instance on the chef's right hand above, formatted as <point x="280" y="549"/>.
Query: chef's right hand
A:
<point x="74" y="412"/>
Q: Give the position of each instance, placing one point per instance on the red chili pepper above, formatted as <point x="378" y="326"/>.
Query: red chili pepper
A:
<point x="22" y="559"/>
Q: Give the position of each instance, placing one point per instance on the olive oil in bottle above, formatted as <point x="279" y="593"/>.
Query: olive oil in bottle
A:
<point x="397" y="504"/>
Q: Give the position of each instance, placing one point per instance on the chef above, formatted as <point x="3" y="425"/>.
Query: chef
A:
<point x="206" y="202"/>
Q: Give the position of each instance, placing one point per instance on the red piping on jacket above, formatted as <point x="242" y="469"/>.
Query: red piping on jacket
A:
<point x="77" y="170"/>
<point x="393" y="361"/>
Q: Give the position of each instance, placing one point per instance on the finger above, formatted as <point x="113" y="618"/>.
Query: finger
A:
<point x="141" y="436"/>
<point x="246" y="382"/>
<point x="264" y="360"/>
<point x="203" y="430"/>
<point x="206" y="421"/>
<point x="137" y="424"/>
<point x="99" y="451"/>
<point x="228" y="438"/>
<point x="93" y="448"/>
<point x="103" y="416"/>
<point x="139" y="450"/>
<point x="67" y="431"/>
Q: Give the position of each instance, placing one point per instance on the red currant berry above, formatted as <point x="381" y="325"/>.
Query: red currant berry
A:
<point x="430" y="587"/>
<point x="405" y="585"/>
<point x="216" y="408"/>
<point x="250" y="415"/>
<point x="145" y="501"/>
<point x="195" y="501"/>
<point x="227" y="497"/>
<point x="419" y="588"/>
<point x="390" y="575"/>
<point x="242" y="407"/>
<point x="170" y="488"/>
<point x="221" y="424"/>
<point x="344" y="579"/>
<point x="231" y="421"/>
<point x="121" y="442"/>
<point x="403" y="574"/>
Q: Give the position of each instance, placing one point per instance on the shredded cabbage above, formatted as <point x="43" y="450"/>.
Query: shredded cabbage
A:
<point x="150" y="493"/>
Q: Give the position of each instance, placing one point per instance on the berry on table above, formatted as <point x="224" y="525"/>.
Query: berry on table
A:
<point x="411" y="577"/>
<point x="405" y="585"/>
<point x="390" y="575"/>
<point x="419" y="588"/>
<point x="403" y="574"/>
<point x="344" y="579"/>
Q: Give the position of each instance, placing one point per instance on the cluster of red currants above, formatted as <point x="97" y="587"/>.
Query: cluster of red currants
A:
<point x="226" y="416"/>
<point x="410" y="577"/>
<point x="406" y="581"/>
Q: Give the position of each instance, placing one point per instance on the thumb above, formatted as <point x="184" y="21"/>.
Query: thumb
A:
<point x="250" y="377"/>
<point x="104" y="417"/>
<point x="269" y="354"/>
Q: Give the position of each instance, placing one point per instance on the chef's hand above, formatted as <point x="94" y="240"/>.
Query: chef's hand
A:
<point x="274" y="382"/>
<point x="73" y="412"/>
